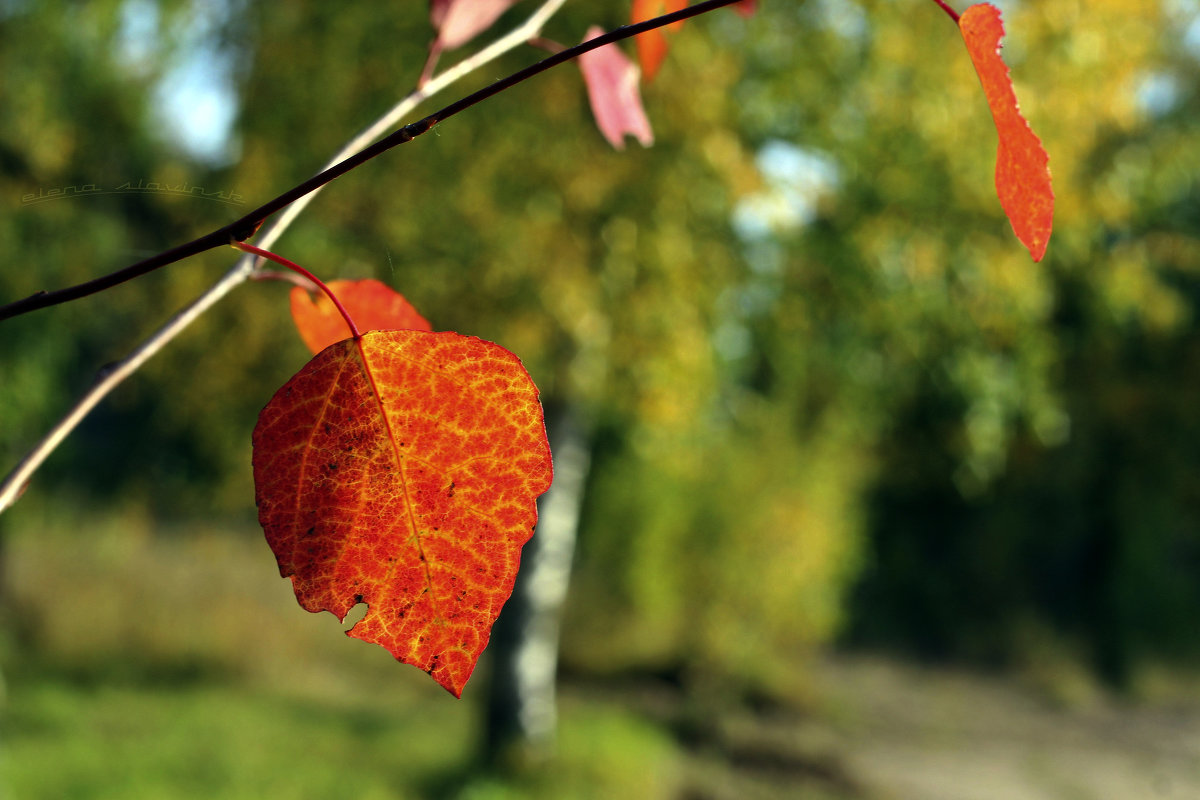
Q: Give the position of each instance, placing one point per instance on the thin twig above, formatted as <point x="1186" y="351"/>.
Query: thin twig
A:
<point x="285" y="275"/>
<point x="515" y="38"/>
<point x="16" y="481"/>
<point x="293" y="202"/>
<point x="246" y="226"/>
<point x="299" y="270"/>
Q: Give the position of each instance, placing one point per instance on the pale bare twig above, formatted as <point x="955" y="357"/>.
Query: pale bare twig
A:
<point x="248" y="224"/>
<point x="15" y="483"/>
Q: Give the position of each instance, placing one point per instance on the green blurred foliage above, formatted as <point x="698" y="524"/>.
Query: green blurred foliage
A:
<point x="79" y="112"/>
<point x="882" y="386"/>
<point x="1039" y="473"/>
<point x="607" y="272"/>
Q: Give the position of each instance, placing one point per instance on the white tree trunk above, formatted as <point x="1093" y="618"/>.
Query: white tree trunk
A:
<point x="521" y="715"/>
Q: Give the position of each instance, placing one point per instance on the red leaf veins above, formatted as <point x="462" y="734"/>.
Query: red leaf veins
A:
<point x="401" y="470"/>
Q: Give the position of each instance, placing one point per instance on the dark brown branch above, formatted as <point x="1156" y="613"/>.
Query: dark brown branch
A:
<point x="245" y="227"/>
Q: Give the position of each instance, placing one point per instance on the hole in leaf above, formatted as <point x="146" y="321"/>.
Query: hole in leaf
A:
<point x="354" y="616"/>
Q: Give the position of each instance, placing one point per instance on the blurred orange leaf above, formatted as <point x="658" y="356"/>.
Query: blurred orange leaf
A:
<point x="401" y="470"/>
<point x="652" y="45"/>
<point x="373" y="306"/>
<point x="1022" y="166"/>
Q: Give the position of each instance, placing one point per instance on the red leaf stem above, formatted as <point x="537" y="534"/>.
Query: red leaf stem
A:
<point x="953" y="14"/>
<point x="376" y="307"/>
<point x="278" y="259"/>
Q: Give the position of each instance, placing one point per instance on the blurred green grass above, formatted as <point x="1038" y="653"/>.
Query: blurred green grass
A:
<point x="231" y="740"/>
<point x="143" y="659"/>
<point x="177" y="664"/>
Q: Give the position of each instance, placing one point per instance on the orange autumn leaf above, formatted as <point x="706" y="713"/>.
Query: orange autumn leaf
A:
<point x="1022" y="166"/>
<point x="401" y="470"/>
<point x="371" y="304"/>
<point x="652" y="45"/>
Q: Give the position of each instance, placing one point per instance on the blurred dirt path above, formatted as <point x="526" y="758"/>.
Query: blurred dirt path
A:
<point x="908" y="733"/>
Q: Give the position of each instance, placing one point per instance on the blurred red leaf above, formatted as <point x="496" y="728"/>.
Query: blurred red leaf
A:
<point x="612" y="83"/>
<point x="459" y="21"/>
<point x="746" y="7"/>
<point x="1022" y="166"/>
<point x="372" y="305"/>
<point x="401" y="470"/>
<point x="652" y="45"/>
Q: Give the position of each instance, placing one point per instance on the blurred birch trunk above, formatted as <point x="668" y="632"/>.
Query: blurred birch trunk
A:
<point x="521" y="710"/>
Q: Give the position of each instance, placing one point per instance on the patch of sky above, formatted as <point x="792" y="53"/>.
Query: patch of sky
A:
<point x="1184" y="16"/>
<point x="1191" y="37"/>
<point x="138" y="35"/>
<point x="1157" y="93"/>
<point x="846" y="19"/>
<point x="196" y="97"/>
<point x="795" y="178"/>
<point x="10" y="8"/>
<point x="1007" y="7"/>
